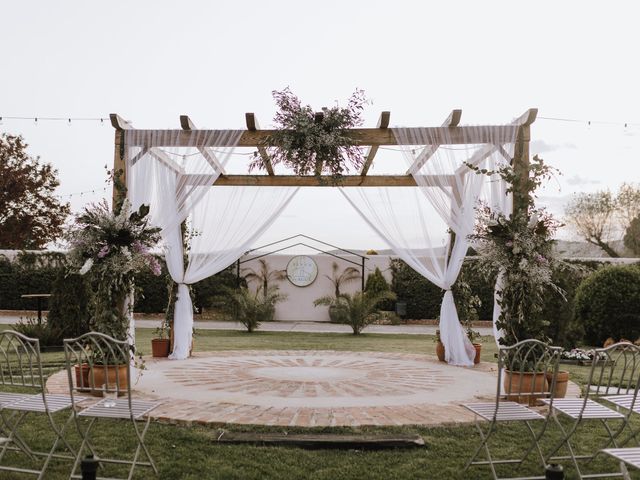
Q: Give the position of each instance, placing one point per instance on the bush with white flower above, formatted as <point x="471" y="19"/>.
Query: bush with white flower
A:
<point x="520" y="248"/>
<point x="112" y="248"/>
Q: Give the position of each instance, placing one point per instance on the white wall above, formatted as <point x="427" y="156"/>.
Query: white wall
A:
<point x="299" y="303"/>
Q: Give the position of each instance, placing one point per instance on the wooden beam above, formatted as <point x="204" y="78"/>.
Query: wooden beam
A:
<point x="451" y="121"/>
<point x="119" y="163"/>
<point x="252" y="125"/>
<point x="323" y="440"/>
<point x="521" y="157"/>
<point x="323" y="181"/>
<point x="383" y="122"/>
<point x="361" y="136"/>
<point x="207" y="153"/>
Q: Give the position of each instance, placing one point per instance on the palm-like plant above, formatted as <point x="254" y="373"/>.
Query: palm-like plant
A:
<point x="349" y="274"/>
<point x="252" y="308"/>
<point x="357" y="310"/>
<point x="263" y="276"/>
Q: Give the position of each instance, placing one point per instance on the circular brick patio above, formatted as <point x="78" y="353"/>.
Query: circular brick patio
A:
<point x="314" y="388"/>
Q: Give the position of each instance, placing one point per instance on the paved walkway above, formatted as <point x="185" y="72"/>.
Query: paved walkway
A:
<point x="287" y="326"/>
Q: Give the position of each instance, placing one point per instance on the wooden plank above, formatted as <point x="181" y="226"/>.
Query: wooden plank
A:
<point x="362" y="136"/>
<point x="207" y="153"/>
<point x="323" y="441"/>
<point x="451" y="121"/>
<point x="323" y="181"/>
<point x="252" y="125"/>
<point x="383" y="122"/>
<point x="119" y="163"/>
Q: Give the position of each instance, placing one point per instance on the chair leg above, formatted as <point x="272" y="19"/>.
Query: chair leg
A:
<point x="84" y="434"/>
<point x="13" y="436"/>
<point x="142" y="446"/>
<point x="535" y="444"/>
<point x="59" y="437"/>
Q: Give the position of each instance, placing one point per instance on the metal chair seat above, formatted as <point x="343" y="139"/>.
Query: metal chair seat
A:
<point x="577" y="408"/>
<point x="138" y="410"/>
<point x="630" y="456"/>
<point x="506" y="411"/>
<point x="35" y="403"/>
<point x="623" y="401"/>
<point x="7" y="399"/>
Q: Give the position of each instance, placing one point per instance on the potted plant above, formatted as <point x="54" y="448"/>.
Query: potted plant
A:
<point x="520" y="247"/>
<point x="110" y="248"/>
<point x="439" y="347"/>
<point x="357" y="310"/>
<point x="161" y="343"/>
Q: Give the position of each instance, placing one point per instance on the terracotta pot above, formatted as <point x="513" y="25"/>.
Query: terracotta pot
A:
<point x="82" y="377"/>
<point x="114" y="374"/>
<point x="440" y="351"/>
<point x="160" y="347"/>
<point x="562" y="381"/>
<point x="520" y="386"/>
<point x="478" y="347"/>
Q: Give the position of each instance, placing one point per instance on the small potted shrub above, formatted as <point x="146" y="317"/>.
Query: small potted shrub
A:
<point x="357" y="310"/>
<point x="439" y="347"/>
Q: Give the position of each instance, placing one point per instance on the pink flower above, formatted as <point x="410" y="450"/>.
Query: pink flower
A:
<point x="138" y="247"/>
<point x="104" y="251"/>
<point x="154" y="265"/>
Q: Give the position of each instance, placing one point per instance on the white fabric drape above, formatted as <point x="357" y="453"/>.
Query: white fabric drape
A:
<point x="500" y="201"/>
<point x="224" y="225"/>
<point x="451" y="189"/>
<point x="172" y="179"/>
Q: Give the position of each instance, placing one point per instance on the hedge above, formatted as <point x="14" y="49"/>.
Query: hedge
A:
<point x="607" y="304"/>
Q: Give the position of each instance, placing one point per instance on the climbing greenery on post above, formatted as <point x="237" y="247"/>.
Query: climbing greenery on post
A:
<point x="310" y="143"/>
<point x="520" y="247"/>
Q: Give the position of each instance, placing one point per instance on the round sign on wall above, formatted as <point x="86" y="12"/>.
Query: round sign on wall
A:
<point x="302" y="271"/>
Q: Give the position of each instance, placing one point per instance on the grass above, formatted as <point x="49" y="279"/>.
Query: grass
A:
<point x="190" y="452"/>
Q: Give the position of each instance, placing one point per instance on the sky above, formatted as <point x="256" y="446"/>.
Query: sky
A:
<point x="151" y="61"/>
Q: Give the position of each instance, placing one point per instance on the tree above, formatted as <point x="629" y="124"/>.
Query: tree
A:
<point x="593" y="215"/>
<point x="349" y="274"/>
<point x="632" y="236"/>
<point x="30" y="215"/>
<point x="357" y="310"/>
<point x="263" y="276"/>
<point x="600" y="217"/>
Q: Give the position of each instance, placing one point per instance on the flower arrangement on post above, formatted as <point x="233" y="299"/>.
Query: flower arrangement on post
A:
<point x="111" y="248"/>
<point x="310" y="143"/>
<point x="520" y="248"/>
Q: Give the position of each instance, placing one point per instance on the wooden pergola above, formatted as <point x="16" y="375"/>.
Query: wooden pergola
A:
<point x="371" y="138"/>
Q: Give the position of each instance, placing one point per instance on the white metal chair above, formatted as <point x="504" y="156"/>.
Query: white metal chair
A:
<point x="97" y="354"/>
<point x="525" y="370"/>
<point x="614" y="375"/>
<point x="21" y="368"/>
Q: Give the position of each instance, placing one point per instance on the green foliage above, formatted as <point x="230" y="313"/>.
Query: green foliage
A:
<point x="521" y="248"/>
<point x="632" y="236"/>
<point x="376" y="283"/>
<point x="309" y="146"/>
<point x="357" y="310"/>
<point x="607" y="303"/>
<point x="252" y="308"/>
<point x="69" y="304"/>
<point x="207" y="292"/>
<point x="592" y="215"/>
<point x="151" y="290"/>
<point x="48" y="334"/>
<point x="423" y="298"/>
<point x="263" y="276"/>
<point x="30" y="213"/>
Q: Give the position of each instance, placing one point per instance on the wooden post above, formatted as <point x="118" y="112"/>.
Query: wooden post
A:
<point x="521" y="160"/>
<point x="119" y="191"/>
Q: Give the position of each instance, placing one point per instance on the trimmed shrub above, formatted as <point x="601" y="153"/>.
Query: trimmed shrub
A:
<point x="607" y="304"/>
<point x="69" y="305"/>
<point x="152" y="294"/>
<point x="376" y="285"/>
<point x="423" y="297"/>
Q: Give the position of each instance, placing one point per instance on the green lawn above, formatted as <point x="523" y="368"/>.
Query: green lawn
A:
<point x="190" y="452"/>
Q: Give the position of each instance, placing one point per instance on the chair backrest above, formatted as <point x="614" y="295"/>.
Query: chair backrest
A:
<point x="615" y="370"/>
<point x="97" y="362"/>
<point x="20" y="363"/>
<point x="527" y="371"/>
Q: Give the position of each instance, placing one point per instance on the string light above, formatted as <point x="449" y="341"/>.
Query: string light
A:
<point x="68" y="120"/>
<point x="589" y="122"/>
<point x="80" y="194"/>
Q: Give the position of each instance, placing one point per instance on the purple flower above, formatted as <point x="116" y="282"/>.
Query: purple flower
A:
<point x="154" y="265"/>
<point x="104" y="251"/>
<point x="138" y="247"/>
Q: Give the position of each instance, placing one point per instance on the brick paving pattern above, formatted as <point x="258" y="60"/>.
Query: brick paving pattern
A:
<point x="309" y="388"/>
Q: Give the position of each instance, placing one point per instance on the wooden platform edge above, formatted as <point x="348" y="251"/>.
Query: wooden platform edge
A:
<point x="324" y="441"/>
